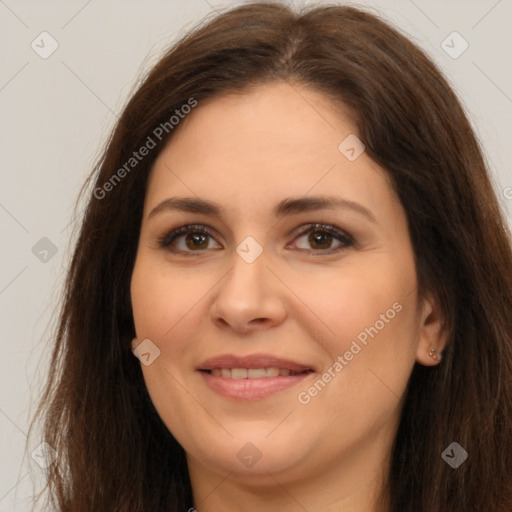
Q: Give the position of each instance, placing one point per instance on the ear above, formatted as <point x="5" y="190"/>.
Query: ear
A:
<point x="134" y="344"/>
<point x="432" y="336"/>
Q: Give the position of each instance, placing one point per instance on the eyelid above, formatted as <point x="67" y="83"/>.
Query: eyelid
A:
<point x="169" y="236"/>
<point x="319" y="226"/>
<point x="342" y="236"/>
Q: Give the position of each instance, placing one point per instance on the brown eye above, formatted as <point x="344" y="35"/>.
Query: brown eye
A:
<point x="320" y="238"/>
<point x="185" y="239"/>
<point x="191" y="239"/>
<point x="196" y="241"/>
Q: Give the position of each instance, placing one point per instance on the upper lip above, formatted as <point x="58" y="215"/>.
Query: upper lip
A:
<point x="252" y="361"/>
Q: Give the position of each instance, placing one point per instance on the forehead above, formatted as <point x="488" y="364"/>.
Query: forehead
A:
<point x="279" y="140"/>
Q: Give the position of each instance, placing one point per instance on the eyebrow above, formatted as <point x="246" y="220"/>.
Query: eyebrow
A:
<point x="286" y="207"/>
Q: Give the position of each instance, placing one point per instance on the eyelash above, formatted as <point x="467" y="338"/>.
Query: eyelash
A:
<point x="166" y="240"/>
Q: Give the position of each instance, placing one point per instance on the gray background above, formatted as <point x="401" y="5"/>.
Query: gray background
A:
<point x="56" y="113"/>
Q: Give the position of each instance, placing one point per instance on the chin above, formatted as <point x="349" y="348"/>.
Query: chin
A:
<point x="251" y="455"/>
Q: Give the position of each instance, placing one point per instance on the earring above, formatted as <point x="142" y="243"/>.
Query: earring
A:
<point x="434" y="354"/>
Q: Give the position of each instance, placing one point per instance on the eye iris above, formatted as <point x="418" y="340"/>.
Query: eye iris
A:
<point x="320" y="238"/>
<point x="192" y="238"/>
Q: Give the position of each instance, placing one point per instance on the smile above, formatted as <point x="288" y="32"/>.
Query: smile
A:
<point x="253" y="373"/>
<point x="252" y="377"/>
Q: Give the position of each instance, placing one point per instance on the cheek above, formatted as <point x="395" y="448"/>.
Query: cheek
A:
<point x="368" y="317"/>
<point x="163" y="308"/>
<point x="357" y="301"/>
<point x="162" y="299"/>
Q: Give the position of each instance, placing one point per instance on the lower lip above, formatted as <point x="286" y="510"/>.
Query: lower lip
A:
<point x="251" y="389"/>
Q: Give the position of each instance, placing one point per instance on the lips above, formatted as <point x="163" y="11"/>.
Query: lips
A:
<point x="256" y="361"/>
<point x="251" y="377"/>
<point x="252" y="373"/>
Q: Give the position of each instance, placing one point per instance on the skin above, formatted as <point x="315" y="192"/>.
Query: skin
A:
<point x="248" y="152"/>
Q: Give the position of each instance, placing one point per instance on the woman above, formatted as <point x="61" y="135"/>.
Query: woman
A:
<point x="341" y="338"/>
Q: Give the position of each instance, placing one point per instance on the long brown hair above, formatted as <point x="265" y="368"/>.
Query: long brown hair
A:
<point x="115" y="454"/>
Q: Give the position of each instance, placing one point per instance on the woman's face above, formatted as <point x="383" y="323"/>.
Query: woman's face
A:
<point x="265" y="293"/>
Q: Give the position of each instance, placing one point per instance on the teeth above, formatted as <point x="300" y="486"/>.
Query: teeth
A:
<point x="256" y="373"/>
<point x="251" y="373"/>
<point x="238" y="373"/>
<point x="272" y="372"/>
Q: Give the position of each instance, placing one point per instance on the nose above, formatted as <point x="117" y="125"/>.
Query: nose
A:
<point x="249" y="297"/>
